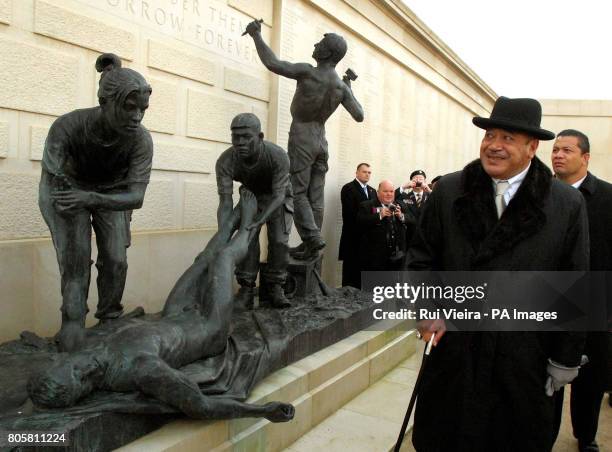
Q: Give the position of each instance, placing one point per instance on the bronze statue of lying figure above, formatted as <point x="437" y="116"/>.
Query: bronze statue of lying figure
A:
<point x="145" y="357"/>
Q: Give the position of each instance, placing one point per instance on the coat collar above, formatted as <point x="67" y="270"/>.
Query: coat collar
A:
<point x="477" y="218"/>
<point x="357" y="186"/>
<point x="589" y="184"/>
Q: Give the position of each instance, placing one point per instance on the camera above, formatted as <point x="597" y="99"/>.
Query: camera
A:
<point x="418" y="184"/>
<point x="393" y="206"/>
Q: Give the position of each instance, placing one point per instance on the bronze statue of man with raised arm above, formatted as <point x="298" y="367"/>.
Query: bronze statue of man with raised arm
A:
<point x="319" y="92"/>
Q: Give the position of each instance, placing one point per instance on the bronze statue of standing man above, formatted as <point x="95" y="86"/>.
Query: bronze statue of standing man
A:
<point x="319" y="92"/>
<point x="95" y="170"/>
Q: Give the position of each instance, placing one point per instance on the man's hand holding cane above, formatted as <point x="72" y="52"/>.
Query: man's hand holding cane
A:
<point x="427" y="328"/>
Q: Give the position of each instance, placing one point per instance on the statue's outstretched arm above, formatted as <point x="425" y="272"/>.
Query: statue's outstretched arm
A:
<point x="155" y="378"/>
<point x="269" y="59"/>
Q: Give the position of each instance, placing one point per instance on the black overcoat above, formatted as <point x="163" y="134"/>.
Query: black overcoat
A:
<point x="598" y="196"/>
<point x="484" y="391"/>
<point x="380" y="239"/>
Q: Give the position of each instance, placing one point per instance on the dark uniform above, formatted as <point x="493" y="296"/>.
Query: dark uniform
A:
<point x="413" y="208"/>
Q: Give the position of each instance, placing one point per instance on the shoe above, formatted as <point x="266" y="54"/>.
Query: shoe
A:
<point x="277" y="297"/>
<point x="591" y="446"/>
<point x="245" y="297"/>
<point x="312" y="246"/>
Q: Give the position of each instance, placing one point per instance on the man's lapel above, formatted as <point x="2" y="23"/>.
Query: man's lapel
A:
<point x="359" y="189"/>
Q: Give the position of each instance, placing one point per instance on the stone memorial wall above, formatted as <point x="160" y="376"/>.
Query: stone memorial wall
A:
<point x="418" y="98"/>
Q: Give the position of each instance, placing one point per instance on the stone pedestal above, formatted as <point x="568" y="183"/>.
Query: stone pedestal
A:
<point x="301" y="278"/>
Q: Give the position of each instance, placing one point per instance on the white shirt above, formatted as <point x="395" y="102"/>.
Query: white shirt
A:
<point x="361" y="183"/>
<point x="578" y="183"/>
<point x="513" y="184"/>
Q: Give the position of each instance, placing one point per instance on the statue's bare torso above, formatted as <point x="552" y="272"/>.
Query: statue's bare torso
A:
<point x="317" y="96"/>
<point x="177" y="340"/>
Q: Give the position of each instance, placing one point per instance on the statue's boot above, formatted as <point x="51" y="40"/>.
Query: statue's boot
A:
<point x="245" y="297"/>
<point x="277" y="297"/>
<point x="312" y="246"/>
<point x="71" y="336"/>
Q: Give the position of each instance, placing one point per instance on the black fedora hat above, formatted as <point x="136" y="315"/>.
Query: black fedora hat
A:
<point x="521" y="115"/>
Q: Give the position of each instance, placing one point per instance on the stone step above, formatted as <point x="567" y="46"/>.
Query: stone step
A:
<point x="317" y="385"/>
<point x="372" y="420"/>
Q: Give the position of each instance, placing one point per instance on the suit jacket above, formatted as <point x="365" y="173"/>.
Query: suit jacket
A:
<point x="413" y="211"/>
<point x="351" y="196"/>
<point x="598" y="196"/>
<point x="488" y="381"/>
<point x="382" y="242"/>
<point x="408" y="201"/>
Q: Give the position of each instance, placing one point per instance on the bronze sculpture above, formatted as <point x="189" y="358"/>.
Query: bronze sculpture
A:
<point x="318" y="94"/>
<point x="95" y="169"/>
<point x="145" y="356"/>
<point x="263" y="168"/>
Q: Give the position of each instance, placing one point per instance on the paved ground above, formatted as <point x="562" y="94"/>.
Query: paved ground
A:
<point x="566" y="441"/>
<point x="372" y="420"/>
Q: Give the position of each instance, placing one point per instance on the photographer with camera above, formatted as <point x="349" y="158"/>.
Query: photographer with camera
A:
<point x="382" y="244"/>
<point x="412" y="196"/>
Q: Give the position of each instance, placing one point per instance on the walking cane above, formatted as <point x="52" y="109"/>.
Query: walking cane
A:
<point x="415" y="392"/>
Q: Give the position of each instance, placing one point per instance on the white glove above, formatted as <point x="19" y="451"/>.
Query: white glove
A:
<point x="558" y="376"/>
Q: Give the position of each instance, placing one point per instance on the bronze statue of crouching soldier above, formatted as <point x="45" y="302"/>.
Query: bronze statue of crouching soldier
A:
<point x="263" y="168"/>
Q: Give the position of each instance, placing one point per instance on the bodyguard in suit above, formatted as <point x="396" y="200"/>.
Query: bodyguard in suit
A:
<point x="382" y="245"/>
<point x="351" y="195"/>
<point x="570" y="160"/>
<point x="491" y="390"/>
<point x="412" y="197"/>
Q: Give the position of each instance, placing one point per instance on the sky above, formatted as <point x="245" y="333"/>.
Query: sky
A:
<point x="529" y="48"/>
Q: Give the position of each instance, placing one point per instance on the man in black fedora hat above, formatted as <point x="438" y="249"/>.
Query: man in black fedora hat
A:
<point x="484" y="391"/>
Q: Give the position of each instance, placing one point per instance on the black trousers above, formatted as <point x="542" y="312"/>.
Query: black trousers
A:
<point x="351" y="273"/>
<point x="585" y="401"/>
